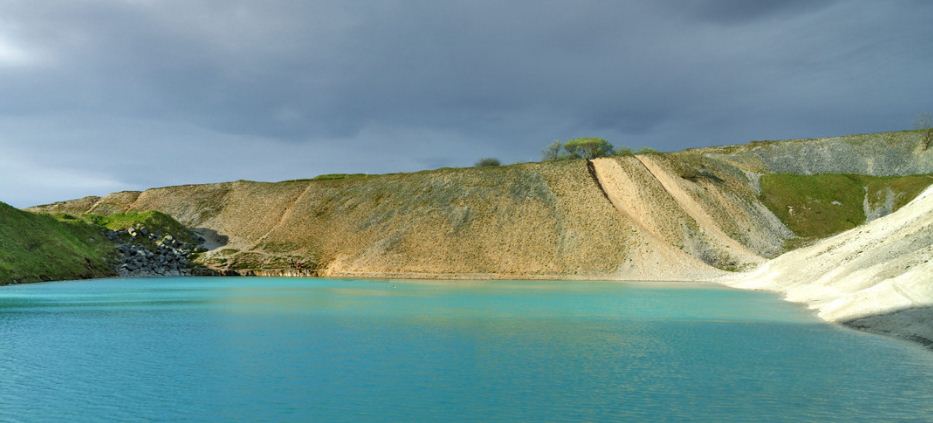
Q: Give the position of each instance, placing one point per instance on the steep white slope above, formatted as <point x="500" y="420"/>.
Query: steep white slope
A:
<point x="883" y="268"/>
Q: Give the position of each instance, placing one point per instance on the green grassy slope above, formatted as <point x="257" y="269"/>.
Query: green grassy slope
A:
<point x="152" y="220"/>
<point x="36" y="247"/>
<point x="817" y="206"/>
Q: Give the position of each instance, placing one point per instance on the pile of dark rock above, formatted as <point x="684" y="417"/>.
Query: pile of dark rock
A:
<point x="142" y="252"/>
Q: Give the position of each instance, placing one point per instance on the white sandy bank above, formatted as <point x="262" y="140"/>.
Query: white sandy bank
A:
<point x="883" y="268"/>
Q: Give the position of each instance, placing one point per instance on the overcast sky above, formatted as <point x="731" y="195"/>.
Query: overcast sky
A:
<point x="100" y="96"/>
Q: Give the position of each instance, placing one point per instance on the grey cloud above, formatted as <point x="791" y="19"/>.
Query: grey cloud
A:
<point x="740" y="11"/>
<point x="282" y="89"/>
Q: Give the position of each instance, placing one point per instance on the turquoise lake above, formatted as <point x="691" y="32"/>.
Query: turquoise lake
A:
<point x="253" y="349"/>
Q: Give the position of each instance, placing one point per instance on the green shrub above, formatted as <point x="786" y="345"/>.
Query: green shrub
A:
<point x="588" y="148"/>
<point x="623" y="151"/>
<point x="488" y="162"/>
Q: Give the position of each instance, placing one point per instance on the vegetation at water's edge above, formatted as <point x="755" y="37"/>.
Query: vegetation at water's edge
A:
<point x="35" y="247"/>
<point x="817" y="206"/>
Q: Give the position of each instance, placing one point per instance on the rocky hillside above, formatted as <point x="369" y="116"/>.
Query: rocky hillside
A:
<point x="881" y="154"/>
<point x="687" y="215"/>
<point x="149" y="243"/>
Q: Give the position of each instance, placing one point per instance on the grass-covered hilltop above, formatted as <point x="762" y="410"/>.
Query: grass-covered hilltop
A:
<point x="692" y="214"/>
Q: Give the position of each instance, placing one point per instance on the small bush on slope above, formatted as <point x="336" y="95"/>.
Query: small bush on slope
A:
<point x="488" y="162"/>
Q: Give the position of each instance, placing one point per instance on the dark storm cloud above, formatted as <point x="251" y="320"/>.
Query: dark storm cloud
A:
<point x="127" y="94"/>
<point x="743" y="11"/>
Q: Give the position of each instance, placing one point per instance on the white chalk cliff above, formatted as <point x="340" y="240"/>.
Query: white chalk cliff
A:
<point x="877" y="277"/>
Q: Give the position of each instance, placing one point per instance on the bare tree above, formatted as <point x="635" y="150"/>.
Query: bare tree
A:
<point x="552" y="152"/>
<point x="925" y="125"/>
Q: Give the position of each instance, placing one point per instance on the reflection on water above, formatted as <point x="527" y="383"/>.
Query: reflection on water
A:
<point x="343" y="350"/>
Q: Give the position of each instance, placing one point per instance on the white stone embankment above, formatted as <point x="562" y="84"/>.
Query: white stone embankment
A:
<point x="877" y="277"/>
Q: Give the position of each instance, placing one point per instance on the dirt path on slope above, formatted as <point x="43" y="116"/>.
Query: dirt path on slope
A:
<point x="695" y="210"/>
<point x="622" y="191"/>
<point x="286" y="214"/>
<point x="654" y="257"/>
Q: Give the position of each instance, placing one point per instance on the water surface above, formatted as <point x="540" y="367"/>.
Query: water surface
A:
<point x="220" y="349"/>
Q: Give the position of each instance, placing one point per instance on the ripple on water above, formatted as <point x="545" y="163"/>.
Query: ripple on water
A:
<point x="342" y="350"/>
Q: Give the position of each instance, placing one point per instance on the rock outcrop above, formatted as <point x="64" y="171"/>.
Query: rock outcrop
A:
<point x="141" y="252"/>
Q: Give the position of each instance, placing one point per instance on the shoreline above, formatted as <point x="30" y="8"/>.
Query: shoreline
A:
<point x="876" y="325"/>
